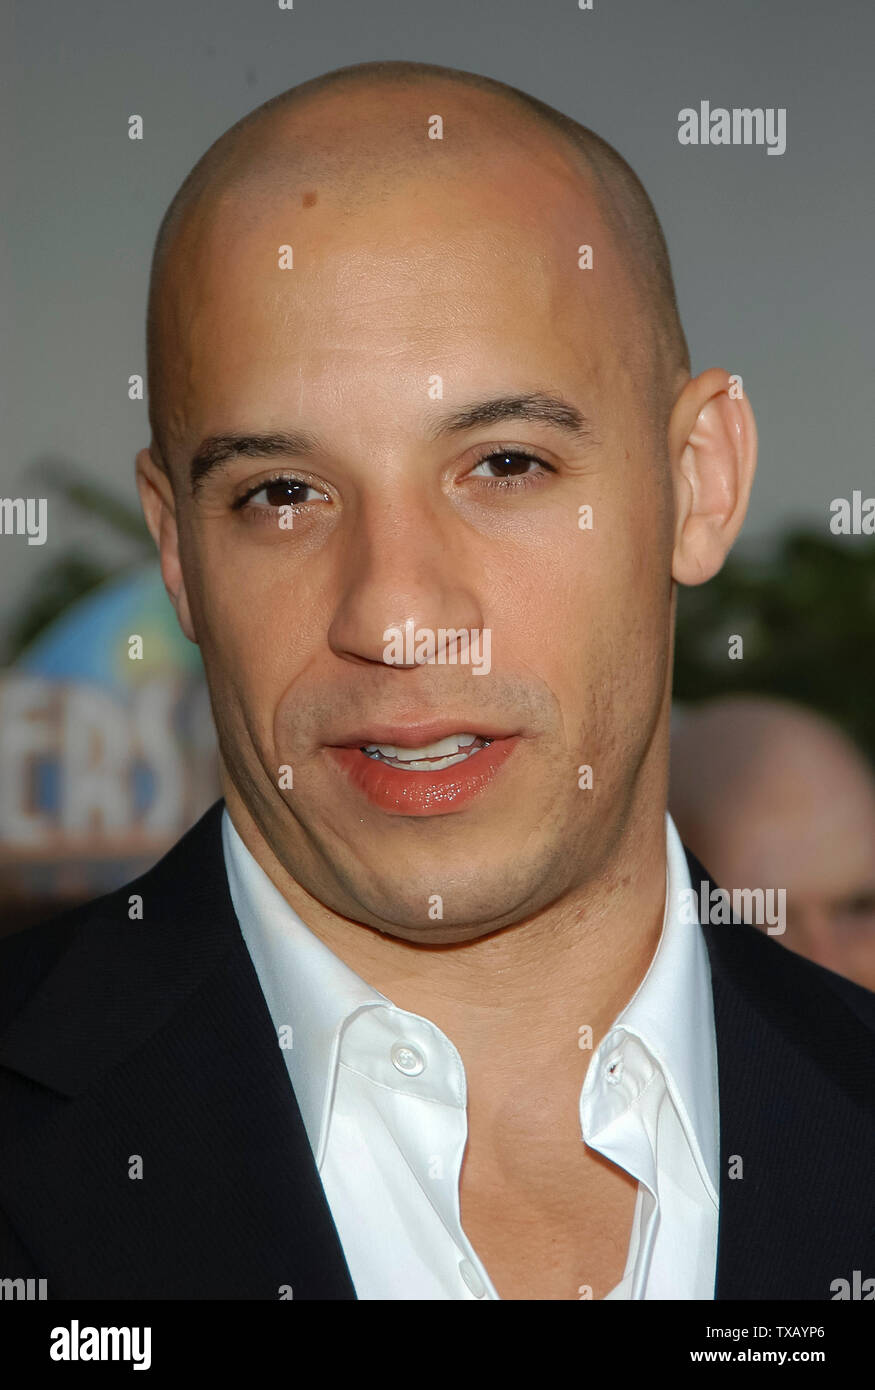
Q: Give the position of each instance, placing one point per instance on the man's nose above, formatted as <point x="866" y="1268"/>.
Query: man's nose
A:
<point x="408" y="566"/>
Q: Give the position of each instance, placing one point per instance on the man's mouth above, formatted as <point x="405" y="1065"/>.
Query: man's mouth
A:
<point x="431" y="757"/>
<point x="423" y="769"/>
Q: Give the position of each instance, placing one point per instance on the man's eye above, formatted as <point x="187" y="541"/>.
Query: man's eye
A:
<point x="279" y="492"/>
<point x="511" y="468"/>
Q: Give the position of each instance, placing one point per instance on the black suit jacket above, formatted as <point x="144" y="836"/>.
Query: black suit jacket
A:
<point x="123" y="1038"/>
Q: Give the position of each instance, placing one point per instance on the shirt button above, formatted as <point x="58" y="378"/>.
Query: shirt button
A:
<point x="472" y="1278"/>
<point x="407" y="1059"/>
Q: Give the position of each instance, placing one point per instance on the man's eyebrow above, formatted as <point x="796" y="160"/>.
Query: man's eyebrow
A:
<point x="219" y="449"/>
<point x="537" y="406"/>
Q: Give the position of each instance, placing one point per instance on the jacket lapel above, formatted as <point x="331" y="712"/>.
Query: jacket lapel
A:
<point x="160" y="1152"/>
<point x="795" y="1074"/>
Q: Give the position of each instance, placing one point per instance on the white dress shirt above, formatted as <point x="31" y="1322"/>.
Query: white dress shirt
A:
<point x="383" y="1098"/>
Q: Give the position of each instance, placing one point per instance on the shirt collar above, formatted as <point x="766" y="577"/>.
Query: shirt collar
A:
<point x="306" y="986"/>
<point x="672" y="1015"/>
<point x="314" y="993"/>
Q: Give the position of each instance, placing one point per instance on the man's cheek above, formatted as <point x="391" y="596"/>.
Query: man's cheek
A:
<point x="247" y="657"/>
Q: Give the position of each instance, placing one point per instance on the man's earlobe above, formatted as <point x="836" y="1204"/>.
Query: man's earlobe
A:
<point x="713" y="447"/>
<point x="159" y="510"/>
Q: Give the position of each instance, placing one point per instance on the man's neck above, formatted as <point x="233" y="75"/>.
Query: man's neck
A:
<point x="523" y="993"/>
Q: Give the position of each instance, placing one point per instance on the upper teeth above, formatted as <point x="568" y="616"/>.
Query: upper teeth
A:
<point x="444" y="747"/>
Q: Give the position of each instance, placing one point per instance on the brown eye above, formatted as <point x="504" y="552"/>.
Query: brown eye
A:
<point x="279" y="492"/>
<point x="508" y="463"/>
<point x="285" y="492"/>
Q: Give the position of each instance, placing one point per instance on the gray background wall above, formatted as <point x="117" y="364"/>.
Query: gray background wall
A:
<point x="772" y="255"/>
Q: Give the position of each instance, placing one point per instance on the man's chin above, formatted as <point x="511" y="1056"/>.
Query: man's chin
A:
<point x="447" y="903"/>
<point x="439" y="934"/>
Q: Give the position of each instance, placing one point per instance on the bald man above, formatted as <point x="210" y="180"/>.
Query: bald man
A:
<point x="414" y="1011"/>
<point x="766" y="792"/>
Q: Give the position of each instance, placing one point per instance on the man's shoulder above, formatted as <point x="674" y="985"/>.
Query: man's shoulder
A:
<point x="767" y="967"/>
<point x="812" y="1029"/>
<point x="859" y="1000"/>
<point x="796" y="1058"/>
<point x="756" y="967"/>
<point x="164" y="892"/>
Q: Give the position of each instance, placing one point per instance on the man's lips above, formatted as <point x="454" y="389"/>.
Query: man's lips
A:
<point x="418" y="735"/>
<point x="423" y="791"/>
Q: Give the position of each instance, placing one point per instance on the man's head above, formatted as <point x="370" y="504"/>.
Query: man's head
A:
<point x="332" y="276"/>
<point x="303" y="136"/>
<point x="771" y="795"/>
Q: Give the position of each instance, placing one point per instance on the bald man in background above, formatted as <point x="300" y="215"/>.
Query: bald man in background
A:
<point x="766" y="792"/>
<point x="415" y="365"/>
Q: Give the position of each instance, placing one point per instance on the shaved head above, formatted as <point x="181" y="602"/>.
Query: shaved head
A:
<point x="767" y="792"/>
<point x="415" y="366"/>
<point x="359" y="135"/>
<point x="772" y="784"/>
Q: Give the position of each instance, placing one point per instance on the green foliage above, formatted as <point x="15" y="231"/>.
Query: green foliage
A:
<point x="807" y="617"/>
<point x="58" y="586"/>
<point x="96" y="501"/>
<point x="64" y="581"/>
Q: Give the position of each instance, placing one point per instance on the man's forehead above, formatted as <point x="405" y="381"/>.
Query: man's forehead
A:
<point x="447" y="254"/>
<point x="508" y="219"/>
<point x="348" y="151"/>
<point x="481" y="301"/>
<point x="428" y="232"/>
<point x="552" y="200"/>
<point x="545" y="200"/>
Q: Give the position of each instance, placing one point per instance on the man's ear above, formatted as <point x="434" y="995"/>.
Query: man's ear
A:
<point x="713" y="449"/>
<point x="159" y="509"/>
